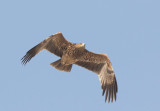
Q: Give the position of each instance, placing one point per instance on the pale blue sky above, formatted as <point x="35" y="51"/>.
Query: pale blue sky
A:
<point x="127" y="30"/>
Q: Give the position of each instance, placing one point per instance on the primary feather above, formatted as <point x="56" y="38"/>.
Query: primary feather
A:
<point x="75" y="53"/>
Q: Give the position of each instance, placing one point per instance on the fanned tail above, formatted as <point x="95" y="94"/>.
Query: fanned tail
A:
<point x="57" y="64"/>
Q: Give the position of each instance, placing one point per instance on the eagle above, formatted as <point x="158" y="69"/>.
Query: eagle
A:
<point x="76" y="53"/>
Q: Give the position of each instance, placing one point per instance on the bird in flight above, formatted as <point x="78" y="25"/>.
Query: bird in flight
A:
<point x="76" y="53"/>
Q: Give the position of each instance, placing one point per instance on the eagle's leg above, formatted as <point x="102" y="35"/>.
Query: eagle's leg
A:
<point x="57" y="64"/>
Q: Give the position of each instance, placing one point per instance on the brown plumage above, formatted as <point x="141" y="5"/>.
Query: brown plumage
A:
<point x="75" y="53"/>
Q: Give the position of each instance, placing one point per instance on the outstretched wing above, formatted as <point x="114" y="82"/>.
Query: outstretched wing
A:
<point x="108" y="83"/>
<point x="55" y="44"/>
<point x="100" y="64"/>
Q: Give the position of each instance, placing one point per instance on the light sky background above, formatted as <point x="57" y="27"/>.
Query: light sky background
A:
<point x="128" y="31"/>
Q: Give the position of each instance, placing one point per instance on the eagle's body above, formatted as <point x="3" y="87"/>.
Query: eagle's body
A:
<point x="75" y="53"/>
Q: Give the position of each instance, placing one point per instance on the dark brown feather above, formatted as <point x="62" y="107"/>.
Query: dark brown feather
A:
<point x="90" y="66"/>
<point x="55" y="44"/>
<point x="100" y="64"/>
<point x="93" y="57"/>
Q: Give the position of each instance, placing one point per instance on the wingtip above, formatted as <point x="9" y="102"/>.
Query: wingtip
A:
<point x="110" y="94"/>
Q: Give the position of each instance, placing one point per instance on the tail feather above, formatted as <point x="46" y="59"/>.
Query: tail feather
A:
<point x="57" y="64"/>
